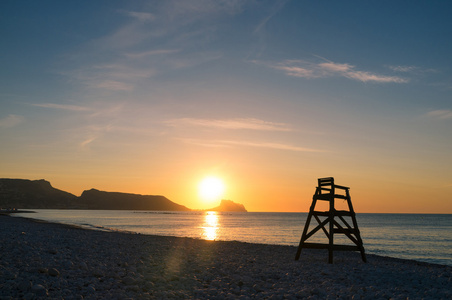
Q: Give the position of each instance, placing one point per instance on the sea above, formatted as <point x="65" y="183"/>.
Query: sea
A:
<point x="420" y="237"/>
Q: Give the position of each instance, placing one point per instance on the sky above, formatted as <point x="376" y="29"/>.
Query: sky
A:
<point x="151" y="97"/>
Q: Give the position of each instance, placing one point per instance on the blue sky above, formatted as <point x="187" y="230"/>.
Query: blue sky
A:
<point x="150" y="96"/>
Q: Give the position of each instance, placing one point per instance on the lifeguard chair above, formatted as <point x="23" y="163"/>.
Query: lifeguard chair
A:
<point x="333" y="221"/>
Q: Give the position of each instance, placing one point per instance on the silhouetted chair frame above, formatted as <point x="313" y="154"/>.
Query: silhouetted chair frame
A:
<point x="328" y="191"/>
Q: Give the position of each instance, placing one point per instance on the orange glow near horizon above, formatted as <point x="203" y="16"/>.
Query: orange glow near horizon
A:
<point x="145" y="109"/>
<point x="258" y="191"/>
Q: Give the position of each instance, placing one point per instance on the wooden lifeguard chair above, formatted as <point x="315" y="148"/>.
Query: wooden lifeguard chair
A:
<point x="333" y="221"/>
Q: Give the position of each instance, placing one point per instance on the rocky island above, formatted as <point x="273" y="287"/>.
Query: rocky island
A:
<point x="228" y="205"/>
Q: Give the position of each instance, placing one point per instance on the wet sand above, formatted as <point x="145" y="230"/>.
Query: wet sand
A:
<point x="55" y="261"/>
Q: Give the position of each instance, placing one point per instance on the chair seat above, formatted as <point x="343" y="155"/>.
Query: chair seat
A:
<point x="328" y="197"/>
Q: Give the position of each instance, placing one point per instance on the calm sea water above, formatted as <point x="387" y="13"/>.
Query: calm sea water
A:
<point x="422" y="237"/>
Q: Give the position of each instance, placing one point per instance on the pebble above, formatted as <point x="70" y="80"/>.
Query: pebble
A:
<point x="39" y="290"/>
<point x="114" y="265"/>
<point x="83" y="266"/>
<point x="53" y="272"/>
<point x="90" y="289"/>
<point x="24" y="285"/>
<point x="129" y="280"/>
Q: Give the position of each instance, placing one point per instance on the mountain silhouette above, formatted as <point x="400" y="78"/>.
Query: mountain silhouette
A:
<point x="95" y="199"/>
<point x="39" y="194"/>
<point x="23" y="193"/>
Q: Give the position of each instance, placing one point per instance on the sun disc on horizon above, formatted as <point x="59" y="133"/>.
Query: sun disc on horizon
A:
<point x="211" y="189"/>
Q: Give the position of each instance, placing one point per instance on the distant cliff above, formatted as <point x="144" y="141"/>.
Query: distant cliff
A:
<point x="228" y="205"/>
<point x="94" y="199"/>
<point x="39" y="194"/>
<point x="23" y="193"/>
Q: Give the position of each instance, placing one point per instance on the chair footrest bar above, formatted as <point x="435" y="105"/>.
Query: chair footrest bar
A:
<point x="335" y="247"/>
<point x="336" y="213"/>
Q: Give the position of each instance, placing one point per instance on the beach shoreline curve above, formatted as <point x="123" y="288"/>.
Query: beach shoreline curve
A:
<point x="54" y="260"/>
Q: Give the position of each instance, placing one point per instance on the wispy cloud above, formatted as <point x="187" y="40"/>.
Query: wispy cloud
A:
<point x="310" y="70"/>
<point x="62" y="106"/>
<point x="232" y="143"/>
<point x="200" y="9"/>
<point x="403" y="69"/>
<point x="167" y="20"/>
<point x="123" y="71"/>
<point x="86" y="142"/>
<point x="89" y="134"/>
<point x="157" y="38"/>
<point x="112" y="77"/>
<point x="144" y="54"/>
<point x="11" y="121"/>
<point x="192" y="60"/>
<point x="140" y="16"/>
<point x="240" y="123"/>
<point x="441" y="114"/>
<point x="204" y="143"/>
<point x="278" y="5"/>
<point x="412" y="70"/>
<point x="113" y="85"/>
<point x="272" y="146"/>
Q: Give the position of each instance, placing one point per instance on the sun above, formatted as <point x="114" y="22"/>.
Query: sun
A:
<point x="211" y="189"/>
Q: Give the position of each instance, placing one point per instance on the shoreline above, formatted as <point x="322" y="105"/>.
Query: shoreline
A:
<point x="54" y="260"/>
<point x="8" y="212"/>
<point x="404" y="246"/>
<point x="106" y="229"/>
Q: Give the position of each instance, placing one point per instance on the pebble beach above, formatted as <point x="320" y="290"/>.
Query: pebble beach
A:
<point x="40" y="260"/>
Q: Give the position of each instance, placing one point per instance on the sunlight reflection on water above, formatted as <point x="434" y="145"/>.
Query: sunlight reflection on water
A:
<point x="210" y="226"/>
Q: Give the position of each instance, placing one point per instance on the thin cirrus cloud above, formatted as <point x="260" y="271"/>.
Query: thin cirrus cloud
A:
<point x="112" y="77"/>
<point x="91" y="133"/>
<point x="144" y="54"/>
<point x="278" y="146"/>
<point x="232" y="143"/>
<point x="86" y="142"/>
<point x="166" y="19"/>
<point x="62" y="106"/>
<point x="11" y="121"/>
<point x="441" y="114"/>
<point x="311" y="70"/>
<point x="122" y="71"/>
<point x="239" y="123"/>
<point x="117" y="77"/>
<point x="113" y="85"/>
<point x="171" y="23"/>
<point x="403" y="69"/>
<point x="140" y="16"/>
<point x="412" y="70"/>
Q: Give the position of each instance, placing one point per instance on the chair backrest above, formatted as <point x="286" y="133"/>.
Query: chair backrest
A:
<point x="326" y="185"/>
<point x="327" y="181"/>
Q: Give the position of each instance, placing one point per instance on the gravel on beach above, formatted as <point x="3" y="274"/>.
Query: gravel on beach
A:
<point x="40" y="260"/>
